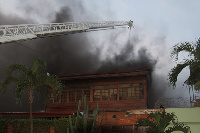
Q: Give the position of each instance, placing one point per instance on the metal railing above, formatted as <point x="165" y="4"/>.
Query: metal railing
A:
<point x="11" y="33"/>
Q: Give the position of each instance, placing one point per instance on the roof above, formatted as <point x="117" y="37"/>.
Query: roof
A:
<point x="107" y="74"/>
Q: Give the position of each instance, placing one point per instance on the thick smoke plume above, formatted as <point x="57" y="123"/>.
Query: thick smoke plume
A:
<point x="68" y="55"/>
<point x="74" y="54"/>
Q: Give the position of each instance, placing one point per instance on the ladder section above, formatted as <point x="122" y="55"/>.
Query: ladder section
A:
<point x="11" y="33"/>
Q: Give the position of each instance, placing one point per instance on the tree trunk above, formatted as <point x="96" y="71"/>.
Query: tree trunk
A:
<point x="30" y="103"/>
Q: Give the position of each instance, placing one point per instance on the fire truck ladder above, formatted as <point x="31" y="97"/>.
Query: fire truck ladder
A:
<point x="12" y="33"/>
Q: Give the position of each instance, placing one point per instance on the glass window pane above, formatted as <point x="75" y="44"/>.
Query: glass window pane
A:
<point x="122" y="94"/>
<point x="131" y="93"/>
<point x="87" y="93"/>
<point x="140" y="92"/>
<point x="97" y="95"/>
<point x="113" y="94"/>
<point x="79" y="95"/>
<point x="64" y="97"/>
<point x="71" y="96"/>
<point x="104" y="94"/>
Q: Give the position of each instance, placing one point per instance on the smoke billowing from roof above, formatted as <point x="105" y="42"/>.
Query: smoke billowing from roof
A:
<point x="71" y="54"/>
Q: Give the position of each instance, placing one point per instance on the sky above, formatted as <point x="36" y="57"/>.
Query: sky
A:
<point x="158" y="26"/>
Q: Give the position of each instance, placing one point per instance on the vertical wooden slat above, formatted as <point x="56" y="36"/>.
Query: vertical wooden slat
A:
<point x="101" y="95"/>
<point x="91" y="94"/>
<point x="68" y="96"/>
<point x="51" y="129"/>
<point x="117" y="92"/>
<point x="76" y="95"/>
<point x="9" y="129"/>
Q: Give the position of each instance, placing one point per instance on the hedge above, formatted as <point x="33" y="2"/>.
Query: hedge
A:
<point x="41" y="125"/>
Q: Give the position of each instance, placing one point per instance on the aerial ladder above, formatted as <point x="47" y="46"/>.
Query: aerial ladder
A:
<point x="12" y="33"/>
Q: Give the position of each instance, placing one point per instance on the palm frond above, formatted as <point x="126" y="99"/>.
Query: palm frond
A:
<point x="16" y="68"/>
<point x="180" y="47"/>
<point x="193" y="61"/>
<point x="173" y="74"/>
<point x="197" y="50"/>
<point x="49" y="82"/>
<point x="34" y="77"/>
<point x="4" y="84"/>
<point x="197" y="85"/>
<point x="44" y="90"/>
<point x="194" y="73"/>
<point x="53" y="82"/>
<point x="19" y="91"/>
<point x="39" y="66"/>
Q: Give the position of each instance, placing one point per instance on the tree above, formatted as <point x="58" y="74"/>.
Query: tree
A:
<point x="159" y="122"/>
<point x="193" y="61"/>
<point x="31" y="78"/>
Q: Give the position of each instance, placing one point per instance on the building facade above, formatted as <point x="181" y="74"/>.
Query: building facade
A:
<point x="113" y="91"/>
<point x="116" y="93"/>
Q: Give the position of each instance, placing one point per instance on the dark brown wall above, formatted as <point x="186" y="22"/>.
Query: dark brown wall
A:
<point x="116" y="105"/>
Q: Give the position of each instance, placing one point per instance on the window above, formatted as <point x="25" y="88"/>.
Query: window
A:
<point x="101" y="92"/>
<point x="79" y="95"/>
<point x="122" y="94"/>
<point x="139" y="92"/>
<point x="87" y="93"/>
<point x="97" y="95"/>
<point x="104" y="95"/>
<point x="64" y="97"/>
<point x="131" y="91"/>
<point x="105" y="92"/>
<point x="71" y="96"/>
<point x="113" y="94"/>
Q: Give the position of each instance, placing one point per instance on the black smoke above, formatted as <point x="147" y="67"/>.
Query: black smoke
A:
<point x="127" y="60"/>
<point x="75" y="54"/>
<point x="67" y="55"/>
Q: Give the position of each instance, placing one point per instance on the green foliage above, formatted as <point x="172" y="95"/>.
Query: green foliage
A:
<point x="159" y="122"/>
<point x="60" y="125"/>
<point x="23" y="125"/>
<point x="178" y="127"/>
<point x="29" y="79"/>
<point x="193" y="61"/>
<point x="197" y="85"/>
<point x="20" y="126"/>
<point x="34" y="77"/>
<point x="3" y="126"/>
<point x="76" y="125"/>
<point x="42" y="125"/>
<point x="83" y="124"/>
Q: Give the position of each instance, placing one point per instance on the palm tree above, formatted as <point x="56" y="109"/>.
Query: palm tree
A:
<point x="159" y="123"/>
<point x="35" y="77"/>
<point x="193" y="61"/>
